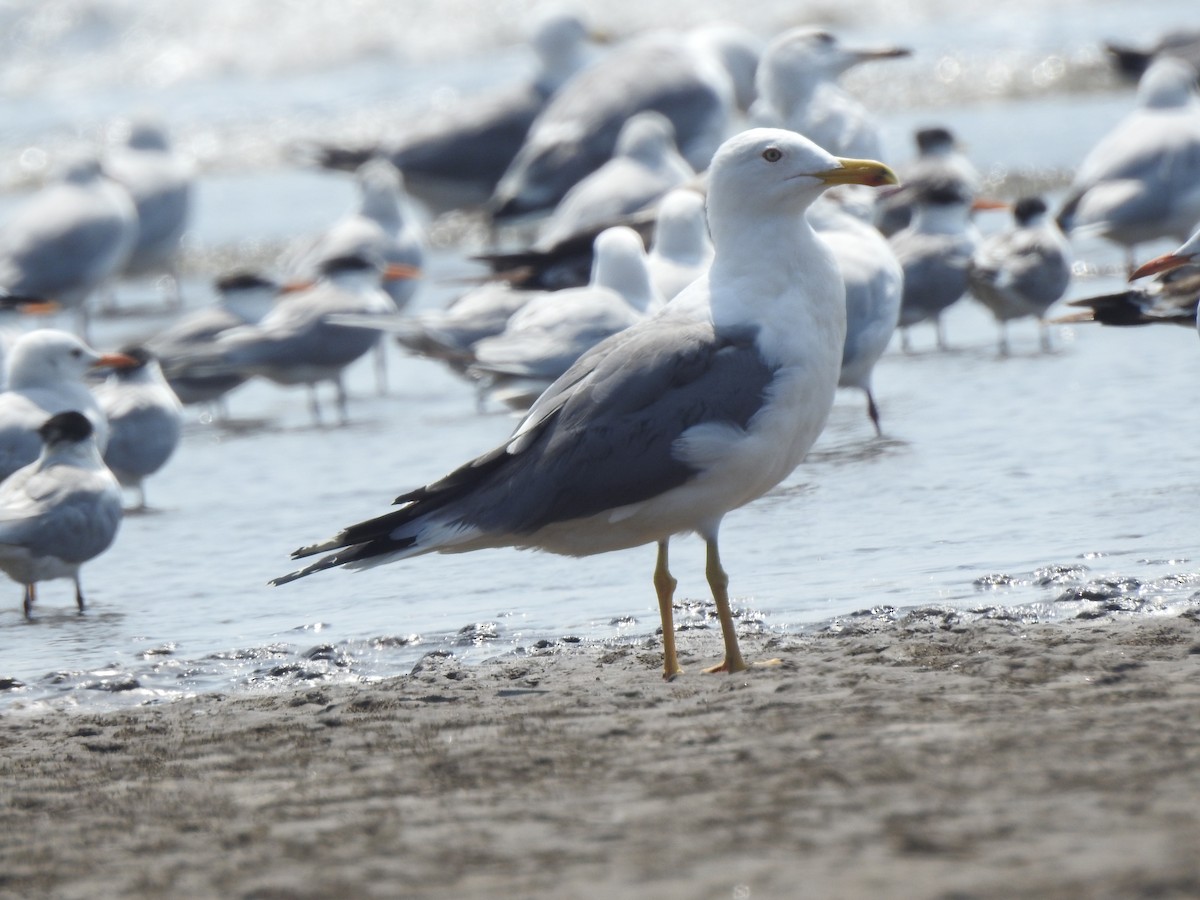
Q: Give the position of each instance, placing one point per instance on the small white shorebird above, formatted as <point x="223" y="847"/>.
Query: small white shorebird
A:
<point x="1023" y="271"/>
<point x="145" y="421"/>
<point x="59" y="511"/>
<point x="667" y="426"/>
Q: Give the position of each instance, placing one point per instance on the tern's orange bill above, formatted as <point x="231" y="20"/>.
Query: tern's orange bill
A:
<point x="1164" y="263"/>
<point x="115" y="361"/>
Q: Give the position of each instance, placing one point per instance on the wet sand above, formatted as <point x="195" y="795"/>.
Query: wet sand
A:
<point x="927" y="756"/>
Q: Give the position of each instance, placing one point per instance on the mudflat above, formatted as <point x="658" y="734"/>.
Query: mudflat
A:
<point x="919" y="755"/>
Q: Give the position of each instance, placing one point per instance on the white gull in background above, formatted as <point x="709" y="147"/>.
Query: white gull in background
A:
<point x="60" y="510"/>
<point x="160" y="183"/>
<point x="454" y="158"/>
<point x="939" y="159"/>
<point x="669" y="425"/>
<point x="934" y="252"/>
<point x="243" y="298"/>
<point x="1131" y="61"/>
<point x="874" y="282"/>
<point x="145" y="421"/>
<point x="69" y="238"/>
<point x="691" y="78"/>
<point x="644" y="166"/>
<point x="798" y="89"/>
<point x="1023" y="271"/>
<point x="549" y="333"/>
<point x="681" y="249"/>
<point x="1141" y="182"/>
<point x="45" y="373"/>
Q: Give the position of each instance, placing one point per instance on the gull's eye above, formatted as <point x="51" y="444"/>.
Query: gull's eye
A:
<point x="76" y="352"/>
<point x="772" y="154"/>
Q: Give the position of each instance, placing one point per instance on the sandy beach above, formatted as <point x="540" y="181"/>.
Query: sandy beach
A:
<point x="921" y="755"/>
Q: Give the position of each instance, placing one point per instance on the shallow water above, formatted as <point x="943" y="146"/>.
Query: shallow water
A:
<point x="1032" y="486"/>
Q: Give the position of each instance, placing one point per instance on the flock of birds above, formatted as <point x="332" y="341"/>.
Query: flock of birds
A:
<point x="718" y="251"/>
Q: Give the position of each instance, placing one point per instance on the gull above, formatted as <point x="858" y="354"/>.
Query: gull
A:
<point x="798" y="89"/>
<point x="692" y="79"/>
<point x="934" y="252"/>
<point x="59" y="511"/>
<point x="674" y="422"/>
<point x="69" y="238"/>
<point x="1141" y="182"/>
<point x="295" y="343"/>
<point x="243" y="298"/>
<point x="1024" y="271"/>
<point x="160" y="184"/>
<point x="681" y="249"/>
<point x="46" y="372"/>
<point x="644" y="166"/>
<point x="543" y="338"/>
<point x="939" y="158"/>
<point x="382" y="227"/>
<point x="145" y="420"/>
<point x="874" y="282"/>
<point x="455" y="158"/>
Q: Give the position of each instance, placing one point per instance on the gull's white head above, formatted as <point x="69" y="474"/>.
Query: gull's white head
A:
<point x="47" y="356"/>
<point x="646" y="136"/>
<point x="680" y="229"/>
<point x="380" y="189"/>
<point x="768" y="172"/>
<point x="560" y="42"/>
<point x="620" y="265"/>
<point x="1168" y="83"/>
<point x="811" y="55"/>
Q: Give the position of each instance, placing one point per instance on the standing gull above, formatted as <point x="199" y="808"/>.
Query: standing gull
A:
<point x="1141" y="182"/>
<point x="160" y="184"/>
<point x="669" y="425"/>
<point x="645" y="165"/>
<point x="798" y="89"/>
<point x="59" y="511"/>
<point x="692" y="79"/>
<point x="456" y="157"/>
<point x="681" y="250"/>
<point x="549" y="333"/>
<point x="68" y="239"/>
<point x="874" y="282"/>
<point x="1024" y="271"/>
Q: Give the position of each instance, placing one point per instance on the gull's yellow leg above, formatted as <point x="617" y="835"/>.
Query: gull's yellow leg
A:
<point x="664" y="586"/>
<point x="718" y="581"/>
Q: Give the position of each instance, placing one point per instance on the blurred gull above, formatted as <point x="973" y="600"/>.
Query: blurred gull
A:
<point x="1141" y="182"/>
<point x="691" y="78"/>
<point x="60" y="510"/>
<point x="1183" y="43"/>
<point x="160" y="184"/>
<point x="46" y="373"/>
<point x="669" y="425"/>
<point x="548" y="334"/>
<point x="644" y="166"/>
<point x="145" y="421"/>
<point x="681" y="250"/>
<point x="798" y="89"/>
<point x="455" y="158"/>
<point x="1023" y="271"/>
<point x="874" y="282"/>
<point x="939" y="158"/>
<point x="68" y="239"/>
<point x="243" y="298"/>
<point x="934" y="252"/>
